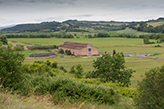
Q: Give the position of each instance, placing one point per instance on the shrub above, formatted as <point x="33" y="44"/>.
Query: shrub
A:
<point x="48" y="62"/>
<point x="40" y="47"/>
<point x="79" y="71"/>
<point x="61" y="51"/>
<point x="19" y="47"/>
<point x="150" y="90"/>
<point x="114" y="52"/>
<point x="68" y="52"/>
<point x="63" y="69"/>
<point x="74" y="91"/>
<point x="55" y="64"/>
<point x="158" y="45"/>
<point x="103" y="35"/>
<point x="40" y="62"/>
<point x="72" y="70"/>
<point x="38" y="68"/>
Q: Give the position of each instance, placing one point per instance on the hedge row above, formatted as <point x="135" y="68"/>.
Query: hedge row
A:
<point x="39" y="47"/>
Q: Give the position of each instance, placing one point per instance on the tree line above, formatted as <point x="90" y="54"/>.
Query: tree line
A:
<point x="143" y="26"/>
<point x="40" y="35"/>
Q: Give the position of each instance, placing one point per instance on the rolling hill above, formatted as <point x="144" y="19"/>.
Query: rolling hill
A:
<point x="151" y="26"/>
<point x="69" y="26"/>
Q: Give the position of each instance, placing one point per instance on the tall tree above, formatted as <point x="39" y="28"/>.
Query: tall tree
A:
<point x="111" y="68"/>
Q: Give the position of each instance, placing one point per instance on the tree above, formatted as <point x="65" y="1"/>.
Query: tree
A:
<point x="72" y="70"/>
<point x="150" y="90"/>
<point x="10" y="67"/>
<point x="3" y="38"/>
<point x="146" y="39"/>
<point x="68" y="52"/>
<point x="79" y="71"/>
<point x="61" y="51"/>
<point x="111" y="68"/>
<point x="114" y="52"/>
<point x="103" y="35"/>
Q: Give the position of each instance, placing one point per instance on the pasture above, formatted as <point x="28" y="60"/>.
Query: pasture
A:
<point x="154" y="24"/>
<point x="125" y="45"/>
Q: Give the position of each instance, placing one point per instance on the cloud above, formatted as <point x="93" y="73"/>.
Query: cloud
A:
<point x="84" y="15"/>
<point x="19" y="11"/>
<point x="69" y="2"/>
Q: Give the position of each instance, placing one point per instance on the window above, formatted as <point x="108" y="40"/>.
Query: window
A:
<point x="89" y="49"/>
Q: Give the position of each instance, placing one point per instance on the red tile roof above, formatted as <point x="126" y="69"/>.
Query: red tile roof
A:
<point x="74" y="45"/>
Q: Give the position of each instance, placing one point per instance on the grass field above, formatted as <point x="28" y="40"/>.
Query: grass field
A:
<point x="125" y="45"/>
<point x="156" y="23"/>
<point x="140" y="65"/>
<point x="132" y="31"/>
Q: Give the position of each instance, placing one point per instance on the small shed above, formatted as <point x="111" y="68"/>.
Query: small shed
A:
<point x="42" y="54"/>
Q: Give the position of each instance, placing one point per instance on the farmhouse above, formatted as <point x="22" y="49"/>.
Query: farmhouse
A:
<point x="80" y="49"/>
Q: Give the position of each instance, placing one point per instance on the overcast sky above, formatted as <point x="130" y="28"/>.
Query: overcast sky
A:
<point x="36" y="11"/>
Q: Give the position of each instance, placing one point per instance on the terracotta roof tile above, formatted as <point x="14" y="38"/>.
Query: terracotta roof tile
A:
<point x="74" y="45"/>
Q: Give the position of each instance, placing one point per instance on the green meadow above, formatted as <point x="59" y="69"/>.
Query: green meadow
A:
<point x="132" y="31"/>
<point x="139" y="64"/>
<point x="125" y="45"/>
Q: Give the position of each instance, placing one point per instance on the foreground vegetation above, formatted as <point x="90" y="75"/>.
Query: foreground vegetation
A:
<point x="125" y="45"/>
<point x="45" y="78"/>
<point x="66" y="82"/>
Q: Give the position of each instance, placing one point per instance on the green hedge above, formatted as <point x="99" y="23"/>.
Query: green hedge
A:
<point x="40" y="47"/>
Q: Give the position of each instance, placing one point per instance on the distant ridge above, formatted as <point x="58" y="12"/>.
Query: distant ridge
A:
<point x="86" y="26"/>
<point x="69" y="25"/>
<point x="3" y="27"/>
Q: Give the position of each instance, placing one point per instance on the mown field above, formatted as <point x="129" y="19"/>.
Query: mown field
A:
<point x="125" y="45"/>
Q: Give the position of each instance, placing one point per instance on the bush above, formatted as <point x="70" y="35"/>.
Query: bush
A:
<point x="19" y="47"/>
<point x="72" y="70"/>
<point x="68" y="52"/>
<point x="63" y="69"/>
<point x="41" y="47"/>
<point x="65" y="88"/>
<point x="103" y="35"/>
<point x="74" y="91"/>
<point x="48" y="62"/>
<point x="10" y="67"/>
<point x="55" y="64"/>
<point x="40" y="62"/>
<point x="79" y="71"/>
<point x="150" y="90"/>
<point x="61" y="51"/>
<point x="158" y="45"/>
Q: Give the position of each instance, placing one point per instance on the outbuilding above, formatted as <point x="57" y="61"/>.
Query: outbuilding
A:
<point x="80" y="49"/>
